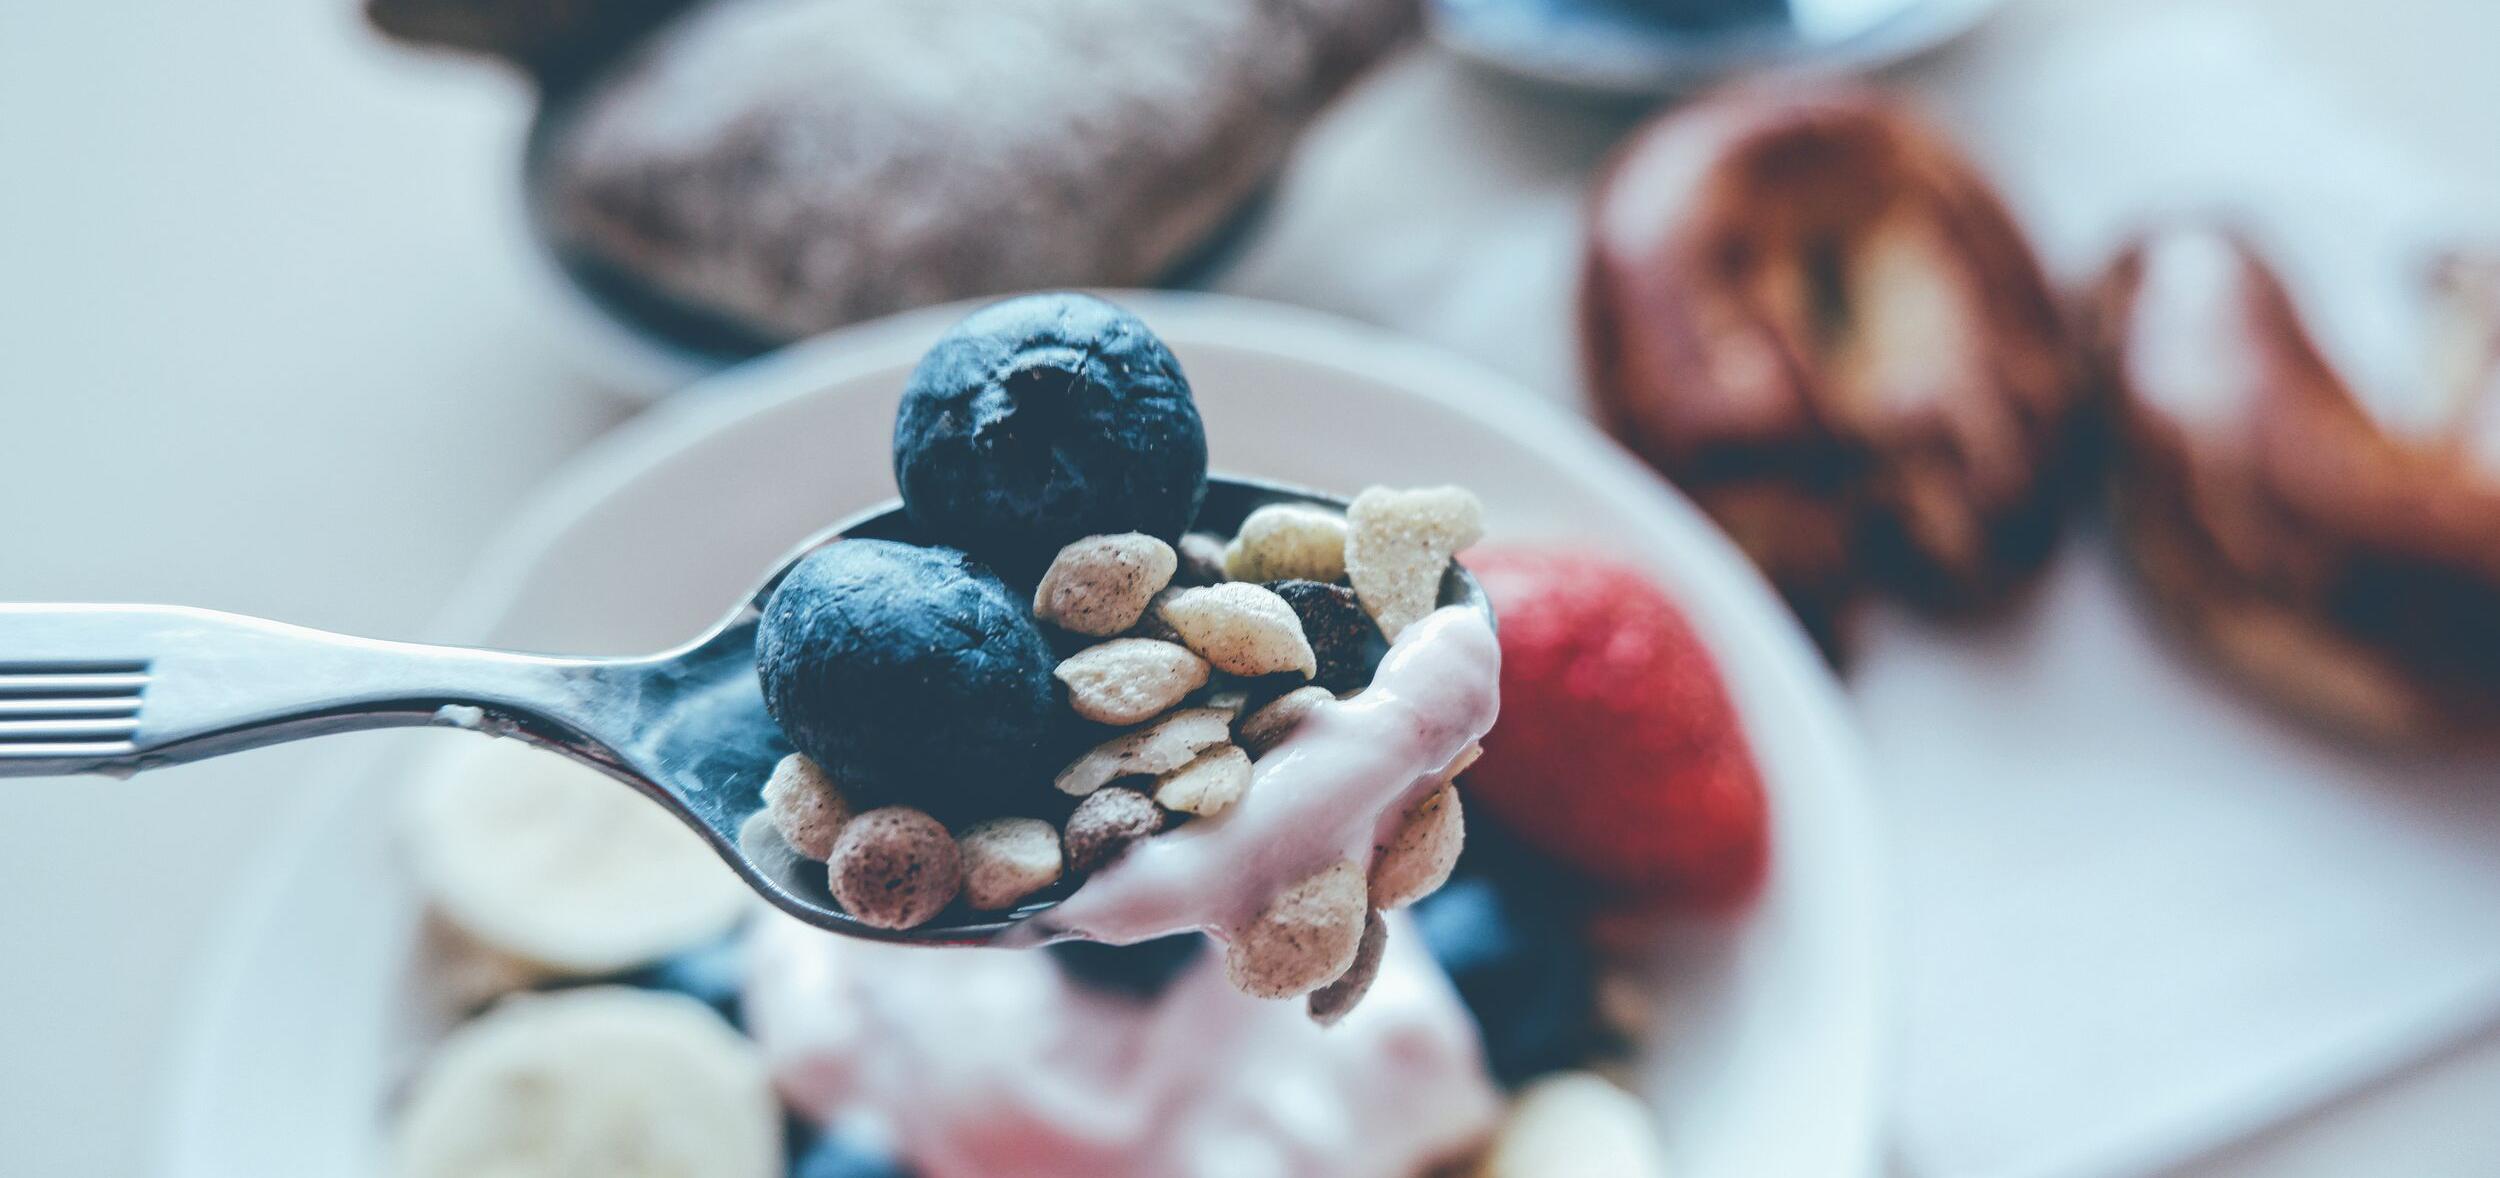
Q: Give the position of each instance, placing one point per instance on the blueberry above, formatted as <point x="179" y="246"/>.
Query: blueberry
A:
<point x="713" y="974"/>
<point x="912" y="675"/>
<point x="841" y="1155"/>
<point x="1045" y="419"/>
<point x="1522" y="968"/>
<point x="1138" y="971"/>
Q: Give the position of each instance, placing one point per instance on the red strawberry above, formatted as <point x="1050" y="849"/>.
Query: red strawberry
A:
<point x="1618" y="751"/>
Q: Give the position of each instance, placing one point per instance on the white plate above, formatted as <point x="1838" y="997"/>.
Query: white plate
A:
<point x="1766" y="1063"/>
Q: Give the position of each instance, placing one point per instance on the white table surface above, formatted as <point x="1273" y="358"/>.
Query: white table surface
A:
<point x="269" y="341"/>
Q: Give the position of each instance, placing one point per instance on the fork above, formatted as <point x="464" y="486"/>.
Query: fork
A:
<point x="119" y="689"/>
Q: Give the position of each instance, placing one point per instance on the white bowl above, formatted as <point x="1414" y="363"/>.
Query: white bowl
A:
<point x="1607" y="47"/>
<point x="1765" y="1063"/>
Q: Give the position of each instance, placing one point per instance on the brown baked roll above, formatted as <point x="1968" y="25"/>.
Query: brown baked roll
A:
<point x="787" y="166"/>
<point x="2338" y="561"/>
<point x="1812" y="314"/>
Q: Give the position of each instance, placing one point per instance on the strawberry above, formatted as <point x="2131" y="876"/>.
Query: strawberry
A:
<point x="1618" y="751"/>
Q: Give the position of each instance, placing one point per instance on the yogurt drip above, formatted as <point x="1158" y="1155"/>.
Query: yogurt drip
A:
<point x="1336" y="788"/>
<point x="980" y="1062"/>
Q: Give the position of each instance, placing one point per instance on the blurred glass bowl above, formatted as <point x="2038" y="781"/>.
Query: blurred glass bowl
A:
<point x="1658" y="47"/>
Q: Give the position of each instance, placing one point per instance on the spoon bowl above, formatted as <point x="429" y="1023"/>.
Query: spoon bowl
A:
<point x="715" y="784"/>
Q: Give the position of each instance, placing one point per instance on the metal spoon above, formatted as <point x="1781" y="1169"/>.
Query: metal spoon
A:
<point x="118" y="689"/>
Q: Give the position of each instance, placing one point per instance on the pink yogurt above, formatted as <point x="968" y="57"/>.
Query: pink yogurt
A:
<point x="975" y="1063"/>
<point x="1333" y="790"/>
<point x="982" y="1062"/>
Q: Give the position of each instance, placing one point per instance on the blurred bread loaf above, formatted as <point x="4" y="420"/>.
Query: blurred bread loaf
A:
<point x="1813" y="312"/>
<point x="787" y="166"/>
<point x="2336" y="544"/>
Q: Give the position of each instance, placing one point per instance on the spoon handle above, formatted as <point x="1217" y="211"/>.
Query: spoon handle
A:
<point x="119" y="688"/>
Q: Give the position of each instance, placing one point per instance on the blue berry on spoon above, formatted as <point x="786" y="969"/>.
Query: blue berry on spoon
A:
<point x="1043" y="420"/>
<point x="913" y="676"/>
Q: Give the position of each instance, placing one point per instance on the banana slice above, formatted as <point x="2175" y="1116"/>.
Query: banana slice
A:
<point x="1575" y="1125"/>
<point x="556" y="865"/>
<point x="609" y="1081"/>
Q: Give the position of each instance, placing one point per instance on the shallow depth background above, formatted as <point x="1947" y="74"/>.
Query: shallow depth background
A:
<point x="270" y="341"/>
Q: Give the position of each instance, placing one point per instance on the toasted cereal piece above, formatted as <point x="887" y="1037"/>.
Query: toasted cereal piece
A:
<point x="1208" y="785"/>
<point x="806" y="807"/>
<point x="1243" y="629"/>
<point x="1304" y="938"/>
<point x="1202" y="561"/>
<point x="1331" y="1002"/>
<point x="1151" y="623"/>
<point x="1575" y="1125"/>
<point x="1104" y="825"/>
<point x="1007" y="859"/>
<point x="1417" y="860"/>
<point x="1156" y="749"/>
<point x="1398" y="545"/>
<point x="761" y="841"/>
<point x="1232" y="697"/>
<point x="1344" y="639"/>
<point x="895" y="868"/>
<point x="1288" y="542"/>
<point x="1130" y="680"/>
<point x="1270" y="725"/>
<point x="1100" y="585"/>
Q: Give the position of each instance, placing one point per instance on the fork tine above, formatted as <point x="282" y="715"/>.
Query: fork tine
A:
<point x="16" y="707"/>
<point x="66" y="749"/>
<point x="17" y="682"/>
<point x="81" y="709"/>
<point x="54" y="729"/>
<point x="73" y="666"/>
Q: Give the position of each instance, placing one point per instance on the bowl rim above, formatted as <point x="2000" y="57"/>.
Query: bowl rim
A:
<point x="720" y="402"/>
<point x="1586" y="57"/>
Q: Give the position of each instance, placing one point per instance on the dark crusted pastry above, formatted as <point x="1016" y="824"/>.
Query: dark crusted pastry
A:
<point x="2343" y="564"/>
<point x="1814" y="315"/>
<point x="791" y="165"/>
